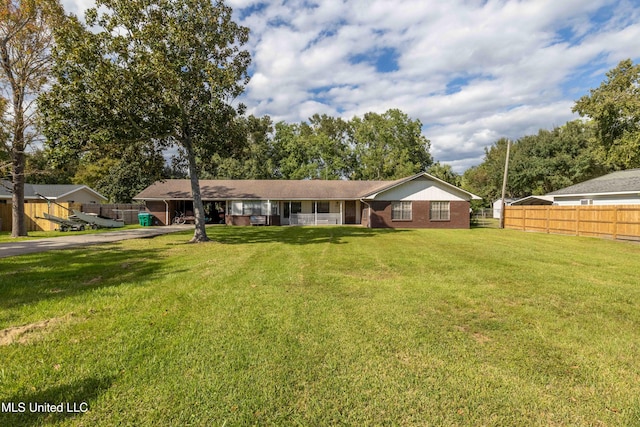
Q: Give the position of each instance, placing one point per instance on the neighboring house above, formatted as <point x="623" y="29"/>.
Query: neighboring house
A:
<point x="419" y="201"/>
<point x="617" y="188"/>
<point x="41" y="198"/>
<point x="56" y="193"/>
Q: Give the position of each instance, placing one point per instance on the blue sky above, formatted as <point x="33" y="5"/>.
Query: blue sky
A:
<point x="472" y="71"/>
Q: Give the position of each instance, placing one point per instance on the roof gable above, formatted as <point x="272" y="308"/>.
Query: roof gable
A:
<point x="436" y="189"/>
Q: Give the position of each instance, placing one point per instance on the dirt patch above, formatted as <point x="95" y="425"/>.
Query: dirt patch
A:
<point x="94" y="281"/>
<point x="23" y="334"/>
<point x="481" y="338"/>
<point x="477" y="336"/>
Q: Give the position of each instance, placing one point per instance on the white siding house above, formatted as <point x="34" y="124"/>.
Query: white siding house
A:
<point x="617" y="188"/>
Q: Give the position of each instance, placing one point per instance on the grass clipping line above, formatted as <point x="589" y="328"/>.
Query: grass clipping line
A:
<point x="25" y="333"/>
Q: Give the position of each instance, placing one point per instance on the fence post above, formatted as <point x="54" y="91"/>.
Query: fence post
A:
<point x="577" y="220"/>
<point x="615" y="222"/>
<point x="546" y="211"/>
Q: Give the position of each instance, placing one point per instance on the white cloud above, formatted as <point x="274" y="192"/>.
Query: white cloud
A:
<point x="471" y="70"/>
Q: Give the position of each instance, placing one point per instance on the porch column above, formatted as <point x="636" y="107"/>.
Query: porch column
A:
<point x="315" y="212"/>
<point x="341" y="220"/>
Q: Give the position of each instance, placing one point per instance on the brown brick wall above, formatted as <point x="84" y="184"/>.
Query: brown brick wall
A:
<point x="158" y="210"/>
<point x="381" y="216"/>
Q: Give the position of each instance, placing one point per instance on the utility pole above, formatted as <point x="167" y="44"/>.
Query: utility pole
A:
<point x="504" y="184"/>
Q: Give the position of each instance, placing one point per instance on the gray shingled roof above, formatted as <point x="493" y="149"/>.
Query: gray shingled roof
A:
<point x="50" y="191"/>
<point x="627" y="181"/>
<point x="262" y="189"/>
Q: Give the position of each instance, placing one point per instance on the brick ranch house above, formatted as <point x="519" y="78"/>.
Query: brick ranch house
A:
<point x="419" y="201"/>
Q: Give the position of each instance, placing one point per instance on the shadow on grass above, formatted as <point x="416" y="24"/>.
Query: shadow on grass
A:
<point x="292" y="235"/>
<point x="76" y="398"/>
<point x="58" y="274"/>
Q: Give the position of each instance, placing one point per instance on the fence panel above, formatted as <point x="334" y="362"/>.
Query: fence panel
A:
<point x="5" y="217"/>
<point x="34" y="214"/>
<point x="615" y="221"/>
<point x="128" y="212"/>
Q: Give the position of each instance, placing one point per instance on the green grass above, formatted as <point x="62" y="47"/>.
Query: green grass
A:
<point x="328" y="326"/>
<point x="5" y="236"/>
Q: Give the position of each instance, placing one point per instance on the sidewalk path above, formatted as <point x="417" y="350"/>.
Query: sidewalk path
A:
<point x="70" y="241"/>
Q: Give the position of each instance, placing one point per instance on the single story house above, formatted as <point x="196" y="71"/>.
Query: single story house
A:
<point x="419" y="201"/>
<point x="616" y="188"/>
<point x="57" y="193"/>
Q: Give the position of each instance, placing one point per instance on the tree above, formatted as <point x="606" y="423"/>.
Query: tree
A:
<point x="445" y="172"/>
<point x="539" y="164"/>
<point x="26" y="38"/>
<point x="162" y="72"/>
<point x="615" y="109"/>
<point x="249" y="153"/>
<point x="131" y="174"/>
<point x="389" y="146"/>
<point x="318" y="149"/>
<point x="553" y="159"/>
<point x="120" y="179"/>
<point x="485" y="180"/>
<point x="38" y="169"/>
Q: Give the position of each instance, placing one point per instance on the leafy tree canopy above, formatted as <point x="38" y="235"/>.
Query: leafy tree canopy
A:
<point x="539" y="164"/>
<point x="445" y="172"/>
<point x="389" y="146"/>
<point x="614" y="107"/>
<point x="158" y="72"/>
<point x="377" y="146"/>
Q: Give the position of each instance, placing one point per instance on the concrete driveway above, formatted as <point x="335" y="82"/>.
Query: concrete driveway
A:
<point x="70" y="241"/>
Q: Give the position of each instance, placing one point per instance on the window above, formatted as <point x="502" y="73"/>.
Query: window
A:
<point x="292" y="208"/>
<point x="323" y="207"/>
<point x="440" y="211"/>
<point x="252" y="208"/>
<point x="401" y="211"/>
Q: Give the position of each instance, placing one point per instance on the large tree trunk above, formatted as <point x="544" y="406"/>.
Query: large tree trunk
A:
<point x="200" y="232"/>
<point x="18" y="226"/>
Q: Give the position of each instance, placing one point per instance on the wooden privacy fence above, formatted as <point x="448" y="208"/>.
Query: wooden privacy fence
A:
<point x="126" y="212"/>
<point x="34" y="213"/>
<point x="614" y="222"/>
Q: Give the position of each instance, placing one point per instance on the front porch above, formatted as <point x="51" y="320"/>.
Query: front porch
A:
<point x="315" y="219"/>
<point x="293" y="212"/>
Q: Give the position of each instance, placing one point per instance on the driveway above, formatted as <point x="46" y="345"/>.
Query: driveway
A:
<point x="70" y="241"/>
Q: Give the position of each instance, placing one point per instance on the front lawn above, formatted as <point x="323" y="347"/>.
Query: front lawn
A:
<point x="325" y="326"/>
